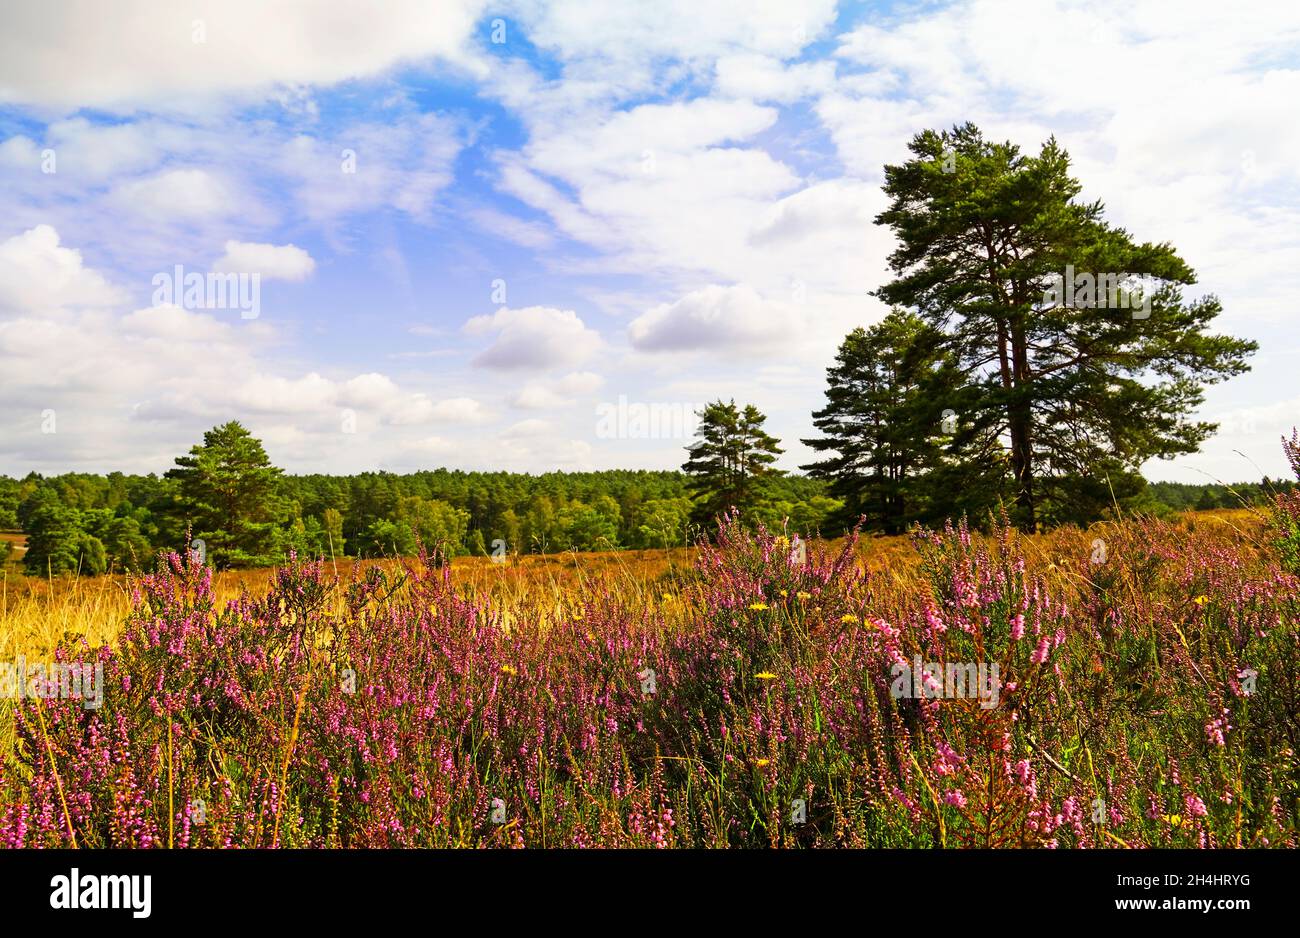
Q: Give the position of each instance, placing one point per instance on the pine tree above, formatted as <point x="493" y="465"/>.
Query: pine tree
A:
<point x="730" y="461"/>
<point x="1082" y="381"/>
<point x="891" y="430"/>
<point x="229" y="495"/>
<point x="56" y="542"/>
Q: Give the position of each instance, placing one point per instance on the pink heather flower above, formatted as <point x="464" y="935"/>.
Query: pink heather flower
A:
<point x="1027" y="778"/>
<point x="1194" y="806"/>
<point x="1214" y="730"/>
<point x="955" y="798"/>
<point x="1018" y="627"/>
<point x="948" y="754"/>
<point x="930" y="682"/>
<point x="903" y="799"/>
<point x="1040" y="653"/>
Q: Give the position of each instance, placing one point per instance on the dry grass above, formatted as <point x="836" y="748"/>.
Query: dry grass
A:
<point x="37" y="613"/>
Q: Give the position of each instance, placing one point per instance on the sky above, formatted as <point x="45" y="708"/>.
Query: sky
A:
<point x="537" y="236"/>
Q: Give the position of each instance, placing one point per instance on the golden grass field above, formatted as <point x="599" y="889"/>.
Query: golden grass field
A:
<point x="36" y="613"/>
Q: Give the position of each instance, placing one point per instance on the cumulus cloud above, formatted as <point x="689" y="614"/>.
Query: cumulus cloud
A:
<point x="534" y="337"/>
<point x="146" y="54"/>
<point x="272" y="262"/>
<point x="171" y="322"/>
<point x="420" y="409"/>
<point x="531" y="427"/>
<point x="718" y="318"/>
<point x="179" y="194"/>
<point x="580" y="382"/>
<point x="38" y="274"/>
<point x="561" y="392"/>
<point x="537" y="397"/>
<point x="766" y="78"/>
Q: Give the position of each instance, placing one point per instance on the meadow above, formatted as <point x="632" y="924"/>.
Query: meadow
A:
<point x="734" y="695"/>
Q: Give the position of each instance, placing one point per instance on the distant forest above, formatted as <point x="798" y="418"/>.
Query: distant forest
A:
<point x="95" y="523"/>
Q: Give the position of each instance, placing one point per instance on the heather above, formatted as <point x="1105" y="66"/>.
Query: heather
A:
<point x="1148" y="698"/>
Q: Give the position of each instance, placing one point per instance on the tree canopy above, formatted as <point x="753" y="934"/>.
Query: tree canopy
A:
<point x="1084" y="354"/>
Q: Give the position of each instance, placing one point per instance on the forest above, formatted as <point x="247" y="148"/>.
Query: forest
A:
<point x="88" y="523"/>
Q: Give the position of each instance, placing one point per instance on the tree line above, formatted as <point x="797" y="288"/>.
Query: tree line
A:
<point x="226" y="493"/>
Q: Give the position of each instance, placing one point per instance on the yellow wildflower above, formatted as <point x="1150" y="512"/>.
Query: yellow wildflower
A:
<point x="802" y="595"/>
<point x="848" y="617"/>
<point x="508" y="669"/>
<point x="1201" y="600"/>
<point x="762" y="762"/>
<point x="758" y="606"/>
<point x="785" y="593"/>
<point x="765" y="676"/>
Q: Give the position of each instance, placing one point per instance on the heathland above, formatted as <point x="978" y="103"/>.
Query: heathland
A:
<point x="738" y="694"/>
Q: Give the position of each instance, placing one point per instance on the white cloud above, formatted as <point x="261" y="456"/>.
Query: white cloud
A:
<point x="132" y="389"/>
<point x="368" y="390"/>
<point x="401" y="165"/>
<point x="534" y="337"/>
<point x="420" y="409"/>
<point x="593" y="38"/>
<point x="272" y="262"/>
<point x="580" y="382"/>
<point x="718" y="173"/>
<point x="716" y="318"/>
<point x="178" y="194"/>
<point x="38" y="274"/>
<point x="174" y="323"/>
<point x="765" y="78"/>
<point x="528" y="234"/>
<point x="538" y="397"/>
<point x="20" y="153"/>
<point x="146" y="54"/>
<point x="531" y="427"/>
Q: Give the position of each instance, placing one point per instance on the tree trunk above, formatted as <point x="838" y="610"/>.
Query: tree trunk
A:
<point x="1019" y="422"/>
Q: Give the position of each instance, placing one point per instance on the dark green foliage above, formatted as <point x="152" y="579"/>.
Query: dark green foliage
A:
<point x="1076" y="391"/>
<point x="229" y="496"/>
<point x="730" y="462"/>
<point x="897" y="450"/>
<point x="56" y="540"/>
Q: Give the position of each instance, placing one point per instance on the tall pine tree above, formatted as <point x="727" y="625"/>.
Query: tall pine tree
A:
<point x="1082" y="386"/>
<point x="896" y="451"/>
<point x="229" y="495"/>
<point x="729" y="461"/>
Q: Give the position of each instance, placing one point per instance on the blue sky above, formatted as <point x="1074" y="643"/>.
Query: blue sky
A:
<point x="658" y="204"/>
